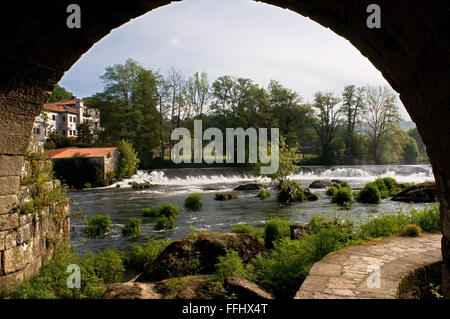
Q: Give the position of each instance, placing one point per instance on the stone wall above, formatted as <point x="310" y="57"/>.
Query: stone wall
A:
<point x="27" y="237"/>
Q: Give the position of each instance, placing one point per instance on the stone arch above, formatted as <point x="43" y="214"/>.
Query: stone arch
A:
<point x="411" y="50"/>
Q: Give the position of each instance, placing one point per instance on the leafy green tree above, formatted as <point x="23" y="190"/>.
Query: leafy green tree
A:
<point x="326" y="122"/>
<point x="411" y="152"/>
<point x="85" y="136"/>
<point x="414" y="133"/>
<point x="59" y="94"/>
<point x="128" y="161"/>
<point x="128" y="107"/>
<point x="380" y="118"/>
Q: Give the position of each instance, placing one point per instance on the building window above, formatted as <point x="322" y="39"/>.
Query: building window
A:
<point x="64" y="132"/>
<point x="53" y="117"/>
<point x="64" y="118"/>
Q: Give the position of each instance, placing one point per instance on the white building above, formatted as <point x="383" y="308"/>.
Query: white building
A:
<point x="64" y="117"/>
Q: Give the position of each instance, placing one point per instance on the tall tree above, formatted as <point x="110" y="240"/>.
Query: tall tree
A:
<point x="59" y="94"/>
<point x="380" y="118"/>
<point x="128" y="107"/>
<point x="351" y="109"/>
<point x="326" y="122"/>
<point x="198" y="93"/>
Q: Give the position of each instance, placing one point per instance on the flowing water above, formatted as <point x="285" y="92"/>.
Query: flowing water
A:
<point x="124" y="203"/>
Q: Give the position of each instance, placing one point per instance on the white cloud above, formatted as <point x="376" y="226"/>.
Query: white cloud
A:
<point x="176" y="42"/>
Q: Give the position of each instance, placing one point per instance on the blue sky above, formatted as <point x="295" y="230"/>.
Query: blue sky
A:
<point x="230" y="37"/>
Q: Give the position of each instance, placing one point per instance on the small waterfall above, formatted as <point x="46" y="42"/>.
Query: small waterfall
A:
<point x="210" y="176"/>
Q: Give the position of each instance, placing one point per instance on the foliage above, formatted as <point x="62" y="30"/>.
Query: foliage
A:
<point x="331" y="191"/>
<point x="193" y="202"/>
<point x="343" y="196"/>
<point x="224" y="196"/>
<point x="428" y="219"/>
<point x="132" y="228"/>
<point x="164" y="222"/>
<point x="410" y="230"/>
<point x="59" y="94"/>
<point x="290" y="191"/>
<point x="274" y="230"/>
<point x="263" y="194"/>
<point x="51" y="281"/>
<point x="137" y="257"/>
<point x="128" y="160"/>
<point x="110" y="178"/>
<point x="249" y="230"/>
<point x="230" y="265"/>
<point x="98" y="226"/>
<point x="370" y="194"/>
<point x="84" y="137"/>
<point x="411" y="152"/>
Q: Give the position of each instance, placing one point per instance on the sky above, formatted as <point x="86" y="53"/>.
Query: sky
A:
<point x="230" y="37"/>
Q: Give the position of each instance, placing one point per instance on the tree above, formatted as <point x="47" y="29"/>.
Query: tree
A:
<point x="414" y="133"/>
<point x="326" y="122"/>
<point x="352" y="106"/>
<point x="59" y="94"/>
<point x="128" y="107"/>
<point x="198" y="93"/>
<point x="380" y="118"/>
<point x="128" y="160"/>
<point x="85" y="136"/>
<point x="411" y="152"/>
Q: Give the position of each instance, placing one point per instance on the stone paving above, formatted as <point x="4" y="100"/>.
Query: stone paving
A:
<point x="372" y="270"/>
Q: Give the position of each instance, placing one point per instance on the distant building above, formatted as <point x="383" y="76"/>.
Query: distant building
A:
<point x="64" y="117"/>
<point x="106" y="157"/>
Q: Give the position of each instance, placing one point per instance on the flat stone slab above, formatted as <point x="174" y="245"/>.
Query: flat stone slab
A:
<point x="372" y="270"/>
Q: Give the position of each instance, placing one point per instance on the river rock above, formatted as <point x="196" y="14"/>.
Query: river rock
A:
<point x="249" y="187"/>
<point x="337" y="181"/>
<point x="298" y="231"/>
<point x="420" y="193"/>
<point x="324" y="183"/>
<point x="310" y="196"/>
<point x="132" y="290"/>
<point x="186" y="257"/>
<point x="245" y="289"/>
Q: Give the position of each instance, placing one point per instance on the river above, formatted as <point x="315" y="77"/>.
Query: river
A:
<point x="175" y="184"/>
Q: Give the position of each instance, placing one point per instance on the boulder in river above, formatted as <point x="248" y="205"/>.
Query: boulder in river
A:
<point x="186" y="257"/>
<point x="420" y="193"/>
<point x="249" y="187"/>
<point x="323" y="183"/>
<point x="310" y="196"/>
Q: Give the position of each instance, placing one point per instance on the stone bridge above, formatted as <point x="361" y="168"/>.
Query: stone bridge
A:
<point x="411" y="49"/>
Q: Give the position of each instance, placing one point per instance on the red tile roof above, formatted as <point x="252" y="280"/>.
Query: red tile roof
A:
<point x="54" y="107"/>
<point x="85" y="152"/>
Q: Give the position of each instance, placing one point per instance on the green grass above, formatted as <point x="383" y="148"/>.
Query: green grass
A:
<point x="132" y="228"/>
<point x="263" y="194"/>
<point x="193" y="202"/>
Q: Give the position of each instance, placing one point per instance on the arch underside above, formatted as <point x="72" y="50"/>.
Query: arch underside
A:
<point x="411" y="50"/>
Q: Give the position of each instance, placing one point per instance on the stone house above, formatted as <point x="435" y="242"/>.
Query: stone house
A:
<point x="106" y="157"/>
<point x="64" y="117"/>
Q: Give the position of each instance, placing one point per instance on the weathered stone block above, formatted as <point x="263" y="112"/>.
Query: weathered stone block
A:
<point x="17" y="258"/>
<point x="8" y="240"/>
<point x="10" y="165"/>
<point x="9" y="185"/>
<point x="8" y="281"/>
<point x="33" y="268"/>
<point x="25" y="233"/>
<point x="9" y="221"/>
<point x="7" y="202"/>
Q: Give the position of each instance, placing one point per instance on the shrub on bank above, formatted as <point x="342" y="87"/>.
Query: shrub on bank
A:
<point x="98" y="226"/>
<point x="331" y="191"/>
<point x="138" y="256"/>
<point x="274" y="230"/>
<point x="410" y="230"/>
<point x="249" y="230"/>
<point x="193" y="202"/>
<point x="132" y="228"/>
<point x="51" y="281"/>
